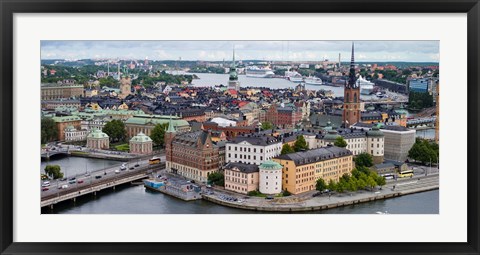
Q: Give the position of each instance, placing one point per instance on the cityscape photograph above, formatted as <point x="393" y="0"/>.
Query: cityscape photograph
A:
<point x="239" y="127"/>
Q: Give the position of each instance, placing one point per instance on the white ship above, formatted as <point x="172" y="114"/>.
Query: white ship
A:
<point x="366" y="87"/>
<point x="293" y="76"/>
<point x="311" y="80"/>
<point x="259" y="72"/>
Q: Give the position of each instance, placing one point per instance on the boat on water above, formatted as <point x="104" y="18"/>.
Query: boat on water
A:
<point x="312" y="80"/>
<point x="293" y="76"/>
<point x="259" y="72"/>
<point x="366" y="87"/>
<point x="152" y="184"/>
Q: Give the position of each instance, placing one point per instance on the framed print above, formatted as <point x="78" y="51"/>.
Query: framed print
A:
<point x="258" y="127"/>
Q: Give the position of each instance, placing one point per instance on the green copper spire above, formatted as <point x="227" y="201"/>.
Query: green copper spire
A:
<point x="170" y="129"/>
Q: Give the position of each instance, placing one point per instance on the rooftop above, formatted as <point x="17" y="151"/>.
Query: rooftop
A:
<point x="316" y="155"/>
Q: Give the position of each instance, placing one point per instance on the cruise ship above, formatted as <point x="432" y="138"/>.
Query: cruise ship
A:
<point x="259" y="72"/>
<point x="293" y="76"/>
<point x="366" y="87"/>
<point x="312" y="80"/>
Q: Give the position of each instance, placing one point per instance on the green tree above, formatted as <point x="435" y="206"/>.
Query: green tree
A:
<point x="286" y="149"/>
<point x="371" y="183"/>
<point x="352" y="184"/>
<point x="267" y="125"/>
<point x="341" y="186"/>
<point x="158" y="134"/>
<point x="115" y="129"/>
<point x="332" y="185"/>
<point x="381" y="181"/>
<point x="53" y="171"/>
<point x="364" y="159"/>
<point x="424" y="151"/>
<point x="300" y="144"/>
<point x="340" y="142"/>
<point x="216" y="178"/>
<point x="321" y="185"/>
<point x="49" y="131"/>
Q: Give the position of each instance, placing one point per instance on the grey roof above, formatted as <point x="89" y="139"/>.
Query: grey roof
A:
<point x="192" y="137"/>
<point x="316" y="155"/>
<point x="255" y="139"/>
<point x="396" y="128"/>
<point x="244" y="168"/>
<point x="384" y="165"/>
<point x="322" y="119"/>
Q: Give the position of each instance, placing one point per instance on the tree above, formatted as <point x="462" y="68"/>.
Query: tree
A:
<point x="381" y="181"/>
<point x="216" y="178"/>
<point x="371" y="182"/>
<point x="340" y="142"/>
<point x="364" y="159"/>
<point x="267" y="125"/>
<point x="286" y="149"/>
<point x="331" y="185"/>
<point x="423" y="151"/>
<point x="49" y="131"/>
<point x="341" y="186"/>
<point x="352" y="184"/>
<point x="321" y="185"/>
<point x="300" y="144"/>
<point x="158" y="134"/>
<point x="53" y="171"/>
<point x="115" y="129"/>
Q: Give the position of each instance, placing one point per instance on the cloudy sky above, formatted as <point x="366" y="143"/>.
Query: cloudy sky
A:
<point x="416" y="51"/>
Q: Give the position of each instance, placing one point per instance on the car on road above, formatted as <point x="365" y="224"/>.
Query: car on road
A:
<point x="117" y="171"/>
<point x="80" y="181"/>
<point x="46" y="184"/>
<point x="209" y="186"/>
<point x="72" y="179"/>
<point x="72" y="182"/>
<point x="98" y="177"/>
<point x="44" y="189"/>
<point x="269" y="197"/>
<point x="87" y="174"/>
<point x="137" y="165"/>
<point x="131" y="168"/>
<point x="63" y="179"/>
<point x="123" y="167"/>
<point x="63" y="186"/>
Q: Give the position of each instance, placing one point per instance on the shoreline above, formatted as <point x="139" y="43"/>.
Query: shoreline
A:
<point x="323" y="203"/>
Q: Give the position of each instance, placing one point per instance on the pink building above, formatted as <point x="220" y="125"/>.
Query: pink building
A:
<point x="241" y="177"/>
<point x="141" y="144"/>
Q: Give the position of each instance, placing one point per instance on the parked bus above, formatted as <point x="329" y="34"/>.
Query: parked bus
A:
<point x="154" y="160"/>
<point x="389" y="176"/>
<point x="406" y="173"/>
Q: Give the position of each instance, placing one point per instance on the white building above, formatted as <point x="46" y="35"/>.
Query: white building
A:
<point x="222" y="122"/>
<point x="252" y="149"/>
<point x="270" y="177"/>
<point x="371" y="141"/>
<point x="72" y="134"/>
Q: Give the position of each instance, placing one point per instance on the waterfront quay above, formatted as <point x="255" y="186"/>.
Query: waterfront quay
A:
<point x="307" y="202"/>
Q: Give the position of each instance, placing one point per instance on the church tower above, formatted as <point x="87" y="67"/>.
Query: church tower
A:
<point x="233" y="82"/>
<point x="351" y="95"/>
<point x="168" y="138"/>
<point x="125" y="84"/>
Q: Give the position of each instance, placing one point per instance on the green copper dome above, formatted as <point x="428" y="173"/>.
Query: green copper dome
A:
<point x="270" y="165"/>
<point x="97" y="133"/>
<point x="233" y="75"/>
<point x="141" y="138"/>
<point x="375" y="132"/>
<point x="331" y="135"/>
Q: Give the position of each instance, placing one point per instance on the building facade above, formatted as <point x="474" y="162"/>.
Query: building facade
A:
<point x="141" y="144"/>
<point x="301" y="170"/>
<point x="98" y="140"/>
<point x="53" y="91"/>
<point x="253" y="149"/>
<point x="72" y="134"/>
<point x="192" y="154"/>
<point x="398" y="141"/>
<point x="145" y="123"/>
<point x="240" y="177"/>
<point x="270" y="177"/>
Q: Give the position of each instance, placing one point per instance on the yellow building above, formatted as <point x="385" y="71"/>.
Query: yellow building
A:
<point x="301" y="170"/>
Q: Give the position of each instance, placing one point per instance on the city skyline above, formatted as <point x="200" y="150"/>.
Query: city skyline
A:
<point x="380" y="51"/>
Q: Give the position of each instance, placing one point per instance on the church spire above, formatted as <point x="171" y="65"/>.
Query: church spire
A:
<point x="352" y="78"/>
<point x="233" y="63"/>
<point x="170" y="129"/>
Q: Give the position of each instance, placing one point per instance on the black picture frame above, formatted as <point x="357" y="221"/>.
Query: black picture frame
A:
<point x="9" y="8"/>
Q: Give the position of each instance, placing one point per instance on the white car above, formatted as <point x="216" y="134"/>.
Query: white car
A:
<point x="117" y="171"/>
<point x="46" y="184"/>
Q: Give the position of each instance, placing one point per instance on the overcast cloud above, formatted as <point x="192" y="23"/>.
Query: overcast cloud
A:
<point x="415" y="51"/>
